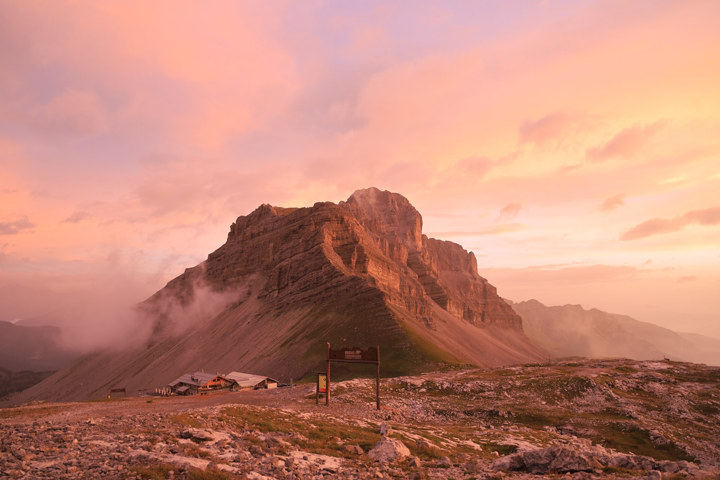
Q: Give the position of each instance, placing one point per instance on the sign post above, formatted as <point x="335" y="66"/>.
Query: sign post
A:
<point x="354" y="355"/>
<point x="321" y="387"/>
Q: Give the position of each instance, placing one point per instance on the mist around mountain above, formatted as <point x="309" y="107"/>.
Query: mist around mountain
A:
<point x="571" y="330"/>
<point x="288" y="280"/>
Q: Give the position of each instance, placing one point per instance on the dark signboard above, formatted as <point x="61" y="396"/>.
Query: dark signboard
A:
<point x="351" y="355"/>
<point x="354" y="355"/>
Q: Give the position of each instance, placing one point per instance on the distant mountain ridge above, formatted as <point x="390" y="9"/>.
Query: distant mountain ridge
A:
<point x="32" y="348"/>
<point x="571" y="330"/>
<point x="288" y="280"/>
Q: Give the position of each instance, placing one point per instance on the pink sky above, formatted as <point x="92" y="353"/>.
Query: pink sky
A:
<point x="574" y="146"/>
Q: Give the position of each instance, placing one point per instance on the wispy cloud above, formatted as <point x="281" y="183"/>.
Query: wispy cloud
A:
<point x="77" y="216"/>
<point x="613" y="203"/>
<point x="72" y="112"/>
<point x="687" y="279"/>
<point x="626" y="143"/>
<point x="16" y="226"/>
<point x="553" y="126"/>
<point x="494" y="230"/>
<point x="655" y="226"/>
<point x="509" y="211"/>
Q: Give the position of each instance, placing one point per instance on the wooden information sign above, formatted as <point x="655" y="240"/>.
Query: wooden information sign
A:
<point x="353" y="355"/>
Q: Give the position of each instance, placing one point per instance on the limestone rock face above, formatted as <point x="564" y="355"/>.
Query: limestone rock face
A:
<point x="375" y="237"/>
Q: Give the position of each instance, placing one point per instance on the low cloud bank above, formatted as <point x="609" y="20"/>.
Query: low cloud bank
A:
<point x="104" y="310"/>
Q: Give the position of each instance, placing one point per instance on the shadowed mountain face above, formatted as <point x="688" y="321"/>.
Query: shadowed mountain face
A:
<point x="288" y="280"/>
<point x="570" y="330"/>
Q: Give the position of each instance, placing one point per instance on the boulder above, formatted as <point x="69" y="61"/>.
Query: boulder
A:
<point x="389" y="450"/>
<point x="557" y="459"/>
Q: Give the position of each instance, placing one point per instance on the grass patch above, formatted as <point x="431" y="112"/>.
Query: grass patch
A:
<point x="209" y="474"/>
<point x="706" y="408"/>
<point x="104" y="400"/>
<point x="30" y="412"/>
<point x="195" y="451"/>
<point x="187" y="420"/>
<point x="425" y="450"/>
<point x="319" y="437"/>
<point x="558" y="389"/>
<point x="501" y="448"/>
<point x="537" y="420"/>
<point x="627" y="438"/>
<point x="263" y="420"/>
<point x="154" y="472"/>
<point x="625" y="369"/>
<point x="320" y="432"/>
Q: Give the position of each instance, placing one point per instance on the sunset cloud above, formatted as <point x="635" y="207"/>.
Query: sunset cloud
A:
<point x="77" y="216"/>
<point x="626" y="143"/>
<point x="493" y="230"/>
<point x="611" y="203"/>
<point x="71" y="112"/>
<point x="16" y="226"/>
<point x="139" y="131"/>
<point x="553" y="126"/>
<point x="509" y="211"/>
<point x="687" y="279"/>
<point x="656" y="226"/>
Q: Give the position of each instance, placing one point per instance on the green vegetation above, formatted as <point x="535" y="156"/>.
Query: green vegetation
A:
<point x="323" y="435"/>
<point x="561" y="388"/>
<point x="502" y="449"/>
<point x="31" y="411"/>
<point x="629" y="438"/>
<point x="154" y="472"/>
<point x="187" y="420"/>
<point x="427" y="349"/>
<point x="196" y="451"/>
<point x="625" y="369"/>
<point x="209" y="474"/>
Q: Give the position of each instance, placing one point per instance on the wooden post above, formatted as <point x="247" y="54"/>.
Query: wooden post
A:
<point x="317" y="390"/>
<point x="327" y="384"/>
<point x="377" y="383"/>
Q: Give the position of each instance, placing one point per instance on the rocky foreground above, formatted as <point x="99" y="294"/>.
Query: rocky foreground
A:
<point x="580" y="419"/>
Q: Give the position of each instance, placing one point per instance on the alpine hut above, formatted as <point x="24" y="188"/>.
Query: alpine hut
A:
<point x="192" y="383"/>
<point x="249" y="381"/>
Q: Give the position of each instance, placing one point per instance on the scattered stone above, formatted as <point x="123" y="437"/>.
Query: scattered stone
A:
<point x="388" y="450"/>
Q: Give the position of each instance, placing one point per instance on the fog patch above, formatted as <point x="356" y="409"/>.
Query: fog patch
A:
<point x="112" y="308"/>
<point x="186" y="302"/>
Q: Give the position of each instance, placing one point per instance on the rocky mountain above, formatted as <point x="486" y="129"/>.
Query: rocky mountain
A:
<point x="288" y="280"/>
<point x="571" y="330"/>
<point x="34" y="348"/>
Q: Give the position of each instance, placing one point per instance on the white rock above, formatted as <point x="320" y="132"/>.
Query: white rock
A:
<point x="388" y="450"/>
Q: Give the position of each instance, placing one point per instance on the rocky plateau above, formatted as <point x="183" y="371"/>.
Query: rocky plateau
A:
<point x="579" y="419"/>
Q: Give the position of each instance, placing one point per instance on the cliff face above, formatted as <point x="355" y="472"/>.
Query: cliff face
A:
<point x="375" y="237"/>
<point x="286" y="281"/>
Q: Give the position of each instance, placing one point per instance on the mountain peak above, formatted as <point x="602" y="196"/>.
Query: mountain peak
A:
<point x="387" y="214"/>
<point x="288" y="280"/>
